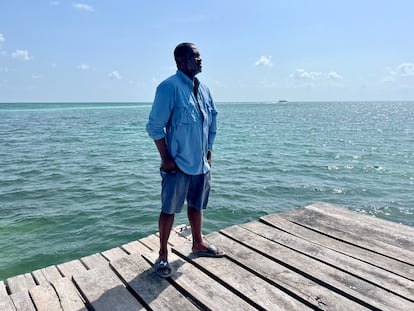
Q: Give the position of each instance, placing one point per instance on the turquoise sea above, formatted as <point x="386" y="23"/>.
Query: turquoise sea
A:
<point x="79" y="178"/>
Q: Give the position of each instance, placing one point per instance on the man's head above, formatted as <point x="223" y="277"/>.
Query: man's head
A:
<point x="188" y="59"/>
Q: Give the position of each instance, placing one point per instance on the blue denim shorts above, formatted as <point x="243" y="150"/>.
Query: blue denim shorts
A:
<point x="178" y="187"/>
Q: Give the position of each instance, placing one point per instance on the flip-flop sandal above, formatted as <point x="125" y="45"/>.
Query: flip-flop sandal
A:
<point x="163" y="265"/>
<point x="210" y="252"/>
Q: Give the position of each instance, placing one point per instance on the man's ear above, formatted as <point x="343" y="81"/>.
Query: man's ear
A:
<point x="180" y="60"/>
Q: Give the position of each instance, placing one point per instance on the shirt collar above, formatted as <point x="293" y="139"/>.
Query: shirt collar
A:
<point x="186" y="79"/>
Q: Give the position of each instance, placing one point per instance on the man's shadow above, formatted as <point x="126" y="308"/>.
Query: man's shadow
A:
<point x="131" y="283"/>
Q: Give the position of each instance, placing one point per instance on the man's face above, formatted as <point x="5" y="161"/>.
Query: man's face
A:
<point x="192" y="62"/>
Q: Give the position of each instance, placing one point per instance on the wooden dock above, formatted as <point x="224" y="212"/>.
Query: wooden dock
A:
<point x="317" y="257"/>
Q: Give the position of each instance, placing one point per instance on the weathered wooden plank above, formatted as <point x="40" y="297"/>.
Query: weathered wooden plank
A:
<point x="114" y="254"/>
<point x="39" y="277"/>
<point x="71" y="268"/>
<point x="135" y="247"/>
<point x="211" y="294"/>
<point x="386" y="231"/>
<point x="299" y="286"/>
<point x="182" y="229"/>
<point x="70" y="298"/>
<point x="104" y="291"/>
<point x="395" y="266"/>
<point x="152" y="242"/>
<point x="179" y="234"/>
<point x="22" y="301"/>
<point x="94" y="261"/>
<point x="349" y="232"/>
<point x="3" y="291"/>
<point x="392" y="228"/>
<point x="148" y="241"/>
<point x="6" y="303"/>
<point x="45" y="298"/>
<point x="251" y="287"/>
<point x="183" y="233"/>
<point x="22" y="282"/>
<point x="46" y="275"/>
<point x="342" y="282"/>
<point x="51" y="273"/>
<point x="156" y="292"/>
<point x="387" y="280"/>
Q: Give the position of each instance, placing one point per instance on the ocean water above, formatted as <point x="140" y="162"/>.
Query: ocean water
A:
<point x="76" y="179"/>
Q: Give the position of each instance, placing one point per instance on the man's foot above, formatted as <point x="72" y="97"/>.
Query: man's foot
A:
<point x="163" y="269"/>
<point x="208" y="251"/>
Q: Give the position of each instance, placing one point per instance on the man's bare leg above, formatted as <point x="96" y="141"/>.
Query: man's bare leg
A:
<point x="195" y="218"/>
<point x="165" y="224"/>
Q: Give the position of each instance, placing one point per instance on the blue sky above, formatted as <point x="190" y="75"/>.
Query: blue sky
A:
<point x="298" y="50"/>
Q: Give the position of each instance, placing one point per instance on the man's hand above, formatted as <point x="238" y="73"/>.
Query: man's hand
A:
<point x="209" y="157"/>
<point x="168" y="164"/>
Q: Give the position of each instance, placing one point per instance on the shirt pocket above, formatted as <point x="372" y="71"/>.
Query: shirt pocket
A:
<point x="185" y="115"/>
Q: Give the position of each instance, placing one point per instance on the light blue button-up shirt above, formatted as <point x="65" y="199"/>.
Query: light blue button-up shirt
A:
<point x="187" y="123"/>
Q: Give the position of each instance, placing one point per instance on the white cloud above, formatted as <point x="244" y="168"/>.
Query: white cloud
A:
<point x="406" y="69"/>
<point x="22" y="55"/>
<point x="83" y="67"/>
<point x="2" y="39"/>
<point x="264" y="61"/>
<point x="83" y="7"/>
<point x="334" y="75"/>
<point x="403" y="70"/>
<point x="302" y="74"/>
<point x="115" y="75"/>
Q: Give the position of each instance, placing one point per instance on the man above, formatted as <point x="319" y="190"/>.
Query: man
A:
<point x="182" y="123"/>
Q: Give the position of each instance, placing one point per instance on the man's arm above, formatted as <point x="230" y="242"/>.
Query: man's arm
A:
<point x="167" y="162"/>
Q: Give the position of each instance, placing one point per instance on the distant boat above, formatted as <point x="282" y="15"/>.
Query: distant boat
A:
<point x="282" y="101"/>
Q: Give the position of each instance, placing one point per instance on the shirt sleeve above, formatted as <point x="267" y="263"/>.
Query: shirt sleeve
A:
<point x="213" y="126"/>
<point x="161" y="111"/>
